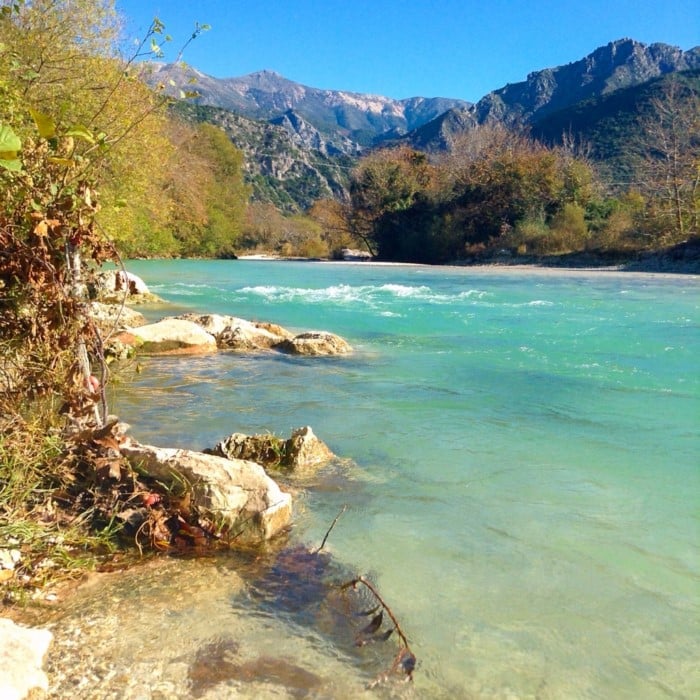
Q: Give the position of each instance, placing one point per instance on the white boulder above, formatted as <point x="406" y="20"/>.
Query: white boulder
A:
<point x="237" y="333"/>
<point x="237" y="495"/>
<point x="22" y="652"/>
<point x="109" y="284"/>
<point x="173" y="336"/>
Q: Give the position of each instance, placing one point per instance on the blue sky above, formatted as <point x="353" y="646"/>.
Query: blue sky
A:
<point x="429" y="48"/>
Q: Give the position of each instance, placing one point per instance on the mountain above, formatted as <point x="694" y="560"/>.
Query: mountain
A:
<point x="357" y="119"/>
<point x="284" y="168"/>
<point x="618" y="65"/>
<point x="439" y="134"/>
<point x="300" y="143"/>
<point x="608" y="124"/>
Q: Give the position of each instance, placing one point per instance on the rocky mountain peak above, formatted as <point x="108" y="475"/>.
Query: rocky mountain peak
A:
<point x="358" y="117"/>
<point x="616" y="65"/>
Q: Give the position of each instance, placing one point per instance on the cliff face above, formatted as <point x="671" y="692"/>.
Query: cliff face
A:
<point x="618" y="65"/>
<point x="358" y="117"/>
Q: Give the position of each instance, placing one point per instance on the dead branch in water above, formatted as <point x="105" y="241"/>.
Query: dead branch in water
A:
<point x="328" y="532"/>
<point x="405" y="660"/>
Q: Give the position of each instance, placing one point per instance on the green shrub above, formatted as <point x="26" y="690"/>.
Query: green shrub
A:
<point x="569" y="230"/>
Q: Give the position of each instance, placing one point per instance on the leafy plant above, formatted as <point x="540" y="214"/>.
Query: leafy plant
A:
<point x="55" y="156"/>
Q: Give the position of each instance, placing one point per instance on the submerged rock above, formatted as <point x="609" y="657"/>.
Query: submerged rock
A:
<point x="315" y="343"/>
<point x="237" y="495"/>
<point x="22" y="651"/>
<point x="301" y="452"/>
<point x="219" y="663"/>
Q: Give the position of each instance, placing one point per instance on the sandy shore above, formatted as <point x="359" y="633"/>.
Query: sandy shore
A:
<point x="612" y="271"/>
<point x="683" y="272"/>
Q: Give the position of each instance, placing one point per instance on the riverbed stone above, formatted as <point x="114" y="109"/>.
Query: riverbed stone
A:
<point x="111" y="317"/>
<point x="235" y="494"/>
<point x="315" y="343"/>
<point x="235" y="333"/>
<point x="115" y="285"/>
<point x="301" y="452"/>
<point x="22" y="652"/>
<point x="172" y="336"/>
<point x="267" y="450"/>
<point x="306" y="451"/>
<point x="354" y="254"/>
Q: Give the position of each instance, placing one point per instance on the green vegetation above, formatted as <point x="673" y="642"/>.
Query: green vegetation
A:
<point x="608" y="127"/>
<point x="91" y="166"/>
<point x="50" y="518"/>
<point x="94" y="165"/>
<point x="499" y="191"/>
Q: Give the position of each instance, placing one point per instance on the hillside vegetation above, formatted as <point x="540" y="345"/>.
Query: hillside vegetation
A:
<point x="624" y="118"/>
<point x="610" y="127"/>
<point x="499" y="193"/>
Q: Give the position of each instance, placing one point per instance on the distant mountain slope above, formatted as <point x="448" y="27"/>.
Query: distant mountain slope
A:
<point x="301" y="142"/>
<point x="282" y="168"/>
<point x="439" y="134"/>
<point x="608" y="125"/>
<point x="619" y="65"/>
<point x="357" y="117"/>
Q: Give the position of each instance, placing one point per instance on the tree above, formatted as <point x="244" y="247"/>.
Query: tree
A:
<point x="384" y="183"/>
<point x="668" y="167"/>
<point x="60" y="57"/>
<point x="334" y="219"/>
<point x="205" y="194"/>
<point x="225" y="193"/>
<point x="74" y="121"/>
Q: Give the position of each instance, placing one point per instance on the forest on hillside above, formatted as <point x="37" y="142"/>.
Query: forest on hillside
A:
<point x="500" y="191"/>
<point x="613" y="176"/>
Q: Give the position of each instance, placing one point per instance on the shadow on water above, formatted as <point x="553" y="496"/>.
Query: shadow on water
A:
<point x="314" y="593"/>
<point x="218" y="662"/>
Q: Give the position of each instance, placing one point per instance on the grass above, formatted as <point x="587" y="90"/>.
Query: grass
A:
<point x="67" y="501"/>
<point x="41" y="542"/>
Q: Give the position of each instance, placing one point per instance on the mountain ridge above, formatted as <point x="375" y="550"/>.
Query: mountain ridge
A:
<point x="616" y="65"/>
<point x="266" y="95"/>
<point x="619" y="64"/>
<point x="325" y="125"/>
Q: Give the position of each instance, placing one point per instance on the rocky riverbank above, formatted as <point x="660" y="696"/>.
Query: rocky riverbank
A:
<point x="127" y="332"/>
<point x="165" y="497"/>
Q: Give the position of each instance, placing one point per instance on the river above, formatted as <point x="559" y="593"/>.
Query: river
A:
<point x="520" y="468"/>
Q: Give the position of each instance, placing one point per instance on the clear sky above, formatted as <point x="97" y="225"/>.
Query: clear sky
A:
<point x="407" y="48"/>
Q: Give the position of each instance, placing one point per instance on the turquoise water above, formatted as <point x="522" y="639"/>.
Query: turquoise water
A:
<point x="523" y="479"/>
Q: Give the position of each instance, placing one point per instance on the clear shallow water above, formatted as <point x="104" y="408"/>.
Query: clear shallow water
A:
<point x="525" y="479"/>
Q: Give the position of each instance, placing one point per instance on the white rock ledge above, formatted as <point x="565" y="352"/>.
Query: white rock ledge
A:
<point x="174" y="336"/>
<point x="235" y="494"/>
<point x="22" y="651"/>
